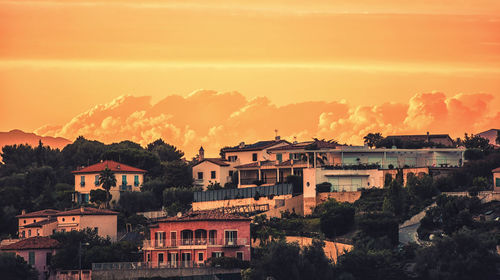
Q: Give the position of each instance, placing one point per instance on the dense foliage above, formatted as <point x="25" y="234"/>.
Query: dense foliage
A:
<point x="14" y="267"/>
<point x="35" y="178"/>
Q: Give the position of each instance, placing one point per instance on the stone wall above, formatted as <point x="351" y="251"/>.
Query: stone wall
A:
<point x="161" y="272"/>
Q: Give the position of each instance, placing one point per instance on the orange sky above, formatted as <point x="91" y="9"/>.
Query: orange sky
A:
<point x="59" y="59"/>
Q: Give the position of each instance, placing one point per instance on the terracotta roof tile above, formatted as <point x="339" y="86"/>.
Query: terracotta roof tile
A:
<point x="217" y="161"/>
<point x="261" y="145"/>
<point x="41" y="213"/>
<point x="37" y="242"/>
<point x="496" y="170"/>
<point x="113" y="165"/>
<point x="87" y="211"/>
<point x="208" y="215"/>
<point x="41" y="223"/>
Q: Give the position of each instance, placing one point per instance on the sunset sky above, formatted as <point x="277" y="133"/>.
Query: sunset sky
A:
<point x="216" y="73"/>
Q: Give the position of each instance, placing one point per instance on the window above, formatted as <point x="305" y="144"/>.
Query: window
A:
<point x="82" y="181"/>
<point x="148" y="257"/>
<point x="239" y="255"/>
<point x="200" y="175"/>
<point x="31" y="258"/>
<point x="23" y="234"/>
<point x="200" y="256"/>
<point x="497" y="182"/>
<point x="231" y="237"/>
<point x="212" y="237"/>
<point x="34" y="221"/>
<point x="124" y="179"/>
<point x="29" y="232"/>
<point x="96" y="230"/>
<point x="159" y="238"/>
<point x="160" y="257"/>
<point x="212" y="175"/>
<point x="173" y="238"/>
<point x="136" y="180"/>
<point x="63" y="219"/>
<point x="230" y="173"/>
<point x="217" y="254"/>
<point x="48" y="258"/>
<point x="63" y="230"/>
<point x="232" y="158"/>
<point x="254" y="156"/>
<point x="96" y="182"/>
<point x="24" y="221"/>
<point x="73" y="218"/>
<point x="279" y="157"/>
<point x="37" y="232"/>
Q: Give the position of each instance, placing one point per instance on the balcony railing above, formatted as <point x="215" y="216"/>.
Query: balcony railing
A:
<point x="167" y="243"/>
<point x="248" y="181"/>
<point x="145" y="265"/>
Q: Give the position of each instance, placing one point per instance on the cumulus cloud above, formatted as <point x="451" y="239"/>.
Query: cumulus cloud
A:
<point x="216" y="119"/>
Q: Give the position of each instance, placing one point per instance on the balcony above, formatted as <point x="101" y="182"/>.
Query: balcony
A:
<point x="177" y="243"/>
<point x="125" y="188"/>
<point x="248" y="181"/>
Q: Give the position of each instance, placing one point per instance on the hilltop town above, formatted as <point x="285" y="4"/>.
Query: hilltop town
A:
<point x="400" y="207"/>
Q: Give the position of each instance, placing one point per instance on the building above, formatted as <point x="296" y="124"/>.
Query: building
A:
<point x="46" y="222"/>
<point x="191" y="239"/>
<point x="438" y="139"/>
<point x="222" y="170"/>
<point x="493" y="135"/>
<point x="37" y="251"/>
<point x="212" y="170"/>
<point x="128" y="178"/>
<point x="496" y="179"/>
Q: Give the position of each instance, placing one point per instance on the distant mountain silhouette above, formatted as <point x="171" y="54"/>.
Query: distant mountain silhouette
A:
<point x="17" y="136"/>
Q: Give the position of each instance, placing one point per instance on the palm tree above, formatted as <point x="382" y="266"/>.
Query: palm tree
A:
<point x="107" y="180"/>
<point x="372" y="139"/>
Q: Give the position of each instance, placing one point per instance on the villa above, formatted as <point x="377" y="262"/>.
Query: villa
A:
<point x="190" y="239"/>
<point x="128" y="178"/>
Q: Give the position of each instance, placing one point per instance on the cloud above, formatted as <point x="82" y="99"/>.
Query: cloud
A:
<point x="216" y="119"/>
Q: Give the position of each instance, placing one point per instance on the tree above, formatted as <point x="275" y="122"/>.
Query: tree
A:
<point x="373" y="265"/>
<point x="282" y="260"/>
<point x="372" y="139"/>
<point x="335" y="218"/>
<point x="98" y="196"/>
<point x="177" y="174"/>
<point x="464" y="255"/>
<point x="164" y="151"/>
<point x="476" y="142"/>
<point x="13" y="267"/>
<point x="107" y="180"/>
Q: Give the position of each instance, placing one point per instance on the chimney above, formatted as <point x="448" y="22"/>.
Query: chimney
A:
<point x="201" y="154"/>
<point x="23" y="212"/>
<point x="277" y="138"/>
<point x="242" y="145"/>
<point x="428" y="137"/>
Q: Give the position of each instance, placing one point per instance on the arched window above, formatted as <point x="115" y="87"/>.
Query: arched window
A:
<point x="200" y="237"/>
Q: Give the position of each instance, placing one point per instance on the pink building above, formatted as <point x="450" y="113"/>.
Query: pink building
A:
<point x="36" y="251"/>
<point x="191" y="239"/>
<point x="46" y="222"/>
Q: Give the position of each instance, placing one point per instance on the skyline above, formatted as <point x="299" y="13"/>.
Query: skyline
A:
<point x="388" y="66"/>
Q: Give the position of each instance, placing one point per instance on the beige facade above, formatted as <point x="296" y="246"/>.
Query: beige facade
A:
<point x="208" y="172"/>
<point x="84" y="183"/>
<point x="496" y="180"/>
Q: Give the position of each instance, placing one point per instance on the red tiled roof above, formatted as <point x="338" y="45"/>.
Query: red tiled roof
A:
<point x="41" y="213"/>
<point x="87" y="211"/>
<point x="208" y="215"/>
<point x="496" y="170"/>
<point x="255" y="164"/>
<point x="217" y="161"/>
<point x="296" y="146"/>
<point x="37" y="242"/>
<point x="41" y="223"/>
<point x="261" y="145"/>
<point x="113" y="165"/>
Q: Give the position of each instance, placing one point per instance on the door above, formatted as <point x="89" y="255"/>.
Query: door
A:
<point x="160" y="259"/>
<point x="172" y="260"/>
<point x="186" y="259"/>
